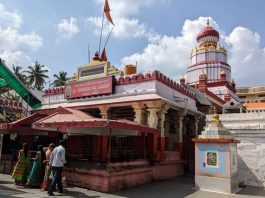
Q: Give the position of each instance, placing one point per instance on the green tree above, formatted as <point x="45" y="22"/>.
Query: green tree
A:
<point x="17" y="70"/>
<point x="36" y="76"/>
<point x="60" y="79"/>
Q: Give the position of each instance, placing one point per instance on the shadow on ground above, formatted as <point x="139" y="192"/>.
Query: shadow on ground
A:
<point x="9" y="192"/>
<point x="178" y="188"/>
<point x="76" y="194"/>
<point x="252" y="190"/>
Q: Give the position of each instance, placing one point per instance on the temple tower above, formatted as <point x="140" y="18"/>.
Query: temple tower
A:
<point x="209" y="58"/>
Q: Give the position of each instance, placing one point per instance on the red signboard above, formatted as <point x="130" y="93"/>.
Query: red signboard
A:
<point x="90" y="88"/>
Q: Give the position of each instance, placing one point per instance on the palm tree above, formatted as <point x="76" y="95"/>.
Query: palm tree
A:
<point x="37" y="75"/>
<point x="17" y="70"/>
<point x="60" y="79"/>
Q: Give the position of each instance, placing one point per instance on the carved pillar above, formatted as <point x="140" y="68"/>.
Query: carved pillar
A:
<point x="181" y="117"/>
<point x="153" y="109"/>
<point x="152" y="117"/>
<point x="163" y="118"/>
<point x="104" y="112"/>
<point x="162" y="139"/>
<point x="139" y="110"/>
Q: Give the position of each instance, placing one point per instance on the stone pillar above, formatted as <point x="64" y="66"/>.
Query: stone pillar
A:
<point x="162" y="119"/>
<point x="139" y="110"/>
<point x="104" y="112"/>
<point x="162" y="139"/>
<point x="152" y="117"/>
<point x="153" y="109"/>
<point x="181" y="117"/>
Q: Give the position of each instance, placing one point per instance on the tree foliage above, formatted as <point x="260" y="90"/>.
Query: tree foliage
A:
<point x="36" y="76"/>
<point x="18" y="71"/>
<point x="60" y="79"/>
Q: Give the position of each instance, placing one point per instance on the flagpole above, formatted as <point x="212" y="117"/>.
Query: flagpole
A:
<point x="101" y="32"/>
<point x="108" y="37"/>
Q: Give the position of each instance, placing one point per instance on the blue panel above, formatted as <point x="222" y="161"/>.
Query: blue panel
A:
<point x="221" y="159"/>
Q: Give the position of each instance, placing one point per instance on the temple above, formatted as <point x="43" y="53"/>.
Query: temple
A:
<point x="209" y="71"/>
<point x="122" y="128"/>
<point x="125" y="128"/>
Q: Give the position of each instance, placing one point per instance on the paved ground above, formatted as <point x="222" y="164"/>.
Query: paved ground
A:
<point x="175" y="188"/>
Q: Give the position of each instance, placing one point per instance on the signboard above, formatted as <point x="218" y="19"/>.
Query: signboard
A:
<point x="92" y="71"/>
<point x="98" y="86"/>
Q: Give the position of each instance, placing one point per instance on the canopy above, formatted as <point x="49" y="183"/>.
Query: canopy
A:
<point x="73" y="122"/>
<point x="21" y="125"/>
<point x="7" y="77"/>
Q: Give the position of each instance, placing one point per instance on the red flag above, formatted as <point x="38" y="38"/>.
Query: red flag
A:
<point x="103" y="56"/>
<point x="107" y="12"/>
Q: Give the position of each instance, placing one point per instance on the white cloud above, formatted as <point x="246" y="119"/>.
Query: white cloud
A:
<point x="15" y="58"/>
<point x="122" y="8"/>
<point x="122" y="11"/>
<point x="13" y="41"/>
<point x="167" y="53"/>
<point x="247" y="58"/>
<point x="124" y="27"/>
<point x="67" y="28"/>
<point x="171" y="55"/>
<point x="9" y="19"/>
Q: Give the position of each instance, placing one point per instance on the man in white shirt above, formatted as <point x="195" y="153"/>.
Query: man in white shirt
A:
<point x="57" y="161"/>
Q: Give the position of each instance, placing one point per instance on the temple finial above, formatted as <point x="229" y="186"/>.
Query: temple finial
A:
<point x="215" y="116"/>
<point x="208" y="22"/>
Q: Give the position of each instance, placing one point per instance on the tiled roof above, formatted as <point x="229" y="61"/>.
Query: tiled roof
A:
<point x="255" y="105"/>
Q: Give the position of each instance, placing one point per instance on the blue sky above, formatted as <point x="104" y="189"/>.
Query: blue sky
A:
<point x="158" y="34"/>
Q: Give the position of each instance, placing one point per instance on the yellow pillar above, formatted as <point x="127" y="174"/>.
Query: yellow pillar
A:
<point x="139" y="110"/>
<point x="104" y="112"/>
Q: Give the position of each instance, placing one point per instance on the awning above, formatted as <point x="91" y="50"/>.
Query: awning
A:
<point x="73" y="122"/>
<point x="18" y="86"/>
<point x="21" y="125"/>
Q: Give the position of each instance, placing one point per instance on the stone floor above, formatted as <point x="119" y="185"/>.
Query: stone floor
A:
<point x="176" y="188"/>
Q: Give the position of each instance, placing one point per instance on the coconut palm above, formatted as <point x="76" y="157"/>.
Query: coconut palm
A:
<point x="17" y="70"/>
<point x="36" y="76"/>
<point x="60" y="79"/>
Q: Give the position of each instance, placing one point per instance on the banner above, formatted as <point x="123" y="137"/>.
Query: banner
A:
<point x="98" y="86"/>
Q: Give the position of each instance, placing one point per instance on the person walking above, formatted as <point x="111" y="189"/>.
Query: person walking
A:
<point x="37" y="171"/>
<point x="46" y="181"/>
<point x="20" y="173"/>
<point x="57" y="161"/>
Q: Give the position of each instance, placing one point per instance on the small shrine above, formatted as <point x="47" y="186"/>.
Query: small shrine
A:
<point x="216" y="159"/>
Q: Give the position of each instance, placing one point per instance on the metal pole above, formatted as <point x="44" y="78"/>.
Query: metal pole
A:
<point x="27" y="106"/>
<point x="144" y="147"/>
<point x="109" y="149"/>
<point x="108" y="37"/>
<point x="1" y="144"/>
<point x="101" y="33"/>
<point x="49" y="82"/>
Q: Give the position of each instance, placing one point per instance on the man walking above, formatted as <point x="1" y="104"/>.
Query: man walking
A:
<point x="57" y="161"/>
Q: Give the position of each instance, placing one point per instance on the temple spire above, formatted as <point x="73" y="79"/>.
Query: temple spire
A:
<point x="208" y="23"/>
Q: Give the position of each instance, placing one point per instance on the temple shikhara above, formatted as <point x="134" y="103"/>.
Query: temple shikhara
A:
<point x="125" y="128"/>
<point x="209" y="70"/>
